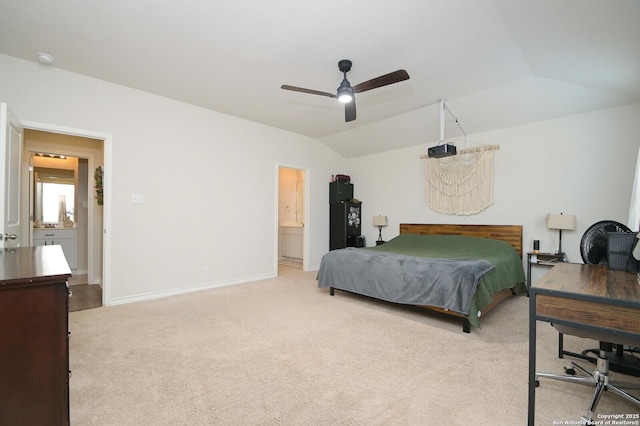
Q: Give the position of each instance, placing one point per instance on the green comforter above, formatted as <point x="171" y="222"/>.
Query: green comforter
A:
<point x="508" y="272"/>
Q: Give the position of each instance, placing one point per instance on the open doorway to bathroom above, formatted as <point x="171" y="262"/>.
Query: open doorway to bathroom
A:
<point x="63" y="208"/>
<point x="291" y="216"/>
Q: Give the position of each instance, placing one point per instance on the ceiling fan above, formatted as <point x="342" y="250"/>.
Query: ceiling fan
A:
<point x="345" y="92"/>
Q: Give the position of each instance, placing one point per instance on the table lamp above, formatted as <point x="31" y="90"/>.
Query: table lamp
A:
<point x="561" y="222"/>
<point x="379" y="221"/>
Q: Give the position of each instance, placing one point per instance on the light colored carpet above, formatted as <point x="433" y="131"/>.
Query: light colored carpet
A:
<point x="283" y="352"/>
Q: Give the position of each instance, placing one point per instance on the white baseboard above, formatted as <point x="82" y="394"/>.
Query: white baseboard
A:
<point x="200" y="287"/>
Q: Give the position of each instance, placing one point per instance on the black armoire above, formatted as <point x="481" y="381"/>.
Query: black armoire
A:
<point x="344" y="216"/>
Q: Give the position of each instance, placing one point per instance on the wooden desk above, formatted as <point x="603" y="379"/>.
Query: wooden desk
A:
<point x="34" y="336"/>
<point x="591" y="297"/>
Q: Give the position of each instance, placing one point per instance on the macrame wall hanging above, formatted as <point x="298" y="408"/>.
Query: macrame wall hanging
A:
<point x="458" y="183"/>
<point x="461" y="184"/>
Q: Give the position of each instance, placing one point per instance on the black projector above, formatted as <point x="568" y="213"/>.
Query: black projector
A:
<point x="440" y="151"/>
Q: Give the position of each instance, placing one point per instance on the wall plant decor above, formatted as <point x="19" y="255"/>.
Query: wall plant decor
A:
<point x="98" y="175"/>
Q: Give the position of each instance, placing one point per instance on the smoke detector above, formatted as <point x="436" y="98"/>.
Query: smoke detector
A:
<point x="45" y="58"/>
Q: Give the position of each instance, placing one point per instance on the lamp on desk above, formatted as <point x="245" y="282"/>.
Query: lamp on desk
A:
<point x="379" y="221"/>
<point x="561" y="222"/>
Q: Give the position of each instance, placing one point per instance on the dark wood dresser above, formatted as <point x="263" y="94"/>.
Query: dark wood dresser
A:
<point x="34" y="336"/>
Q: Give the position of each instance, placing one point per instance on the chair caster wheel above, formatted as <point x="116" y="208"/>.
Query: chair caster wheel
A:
<point x="570" y="371"/>
<point x="586" y="421"/>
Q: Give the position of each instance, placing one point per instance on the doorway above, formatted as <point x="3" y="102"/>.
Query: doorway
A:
<point x="59" y="160"/>
<point x="292" y="216"/>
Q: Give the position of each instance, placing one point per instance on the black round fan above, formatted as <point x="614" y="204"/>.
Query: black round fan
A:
<point x="593" y="246"/>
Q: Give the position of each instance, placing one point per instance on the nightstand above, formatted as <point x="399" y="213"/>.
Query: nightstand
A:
<point x="542" y="259"/>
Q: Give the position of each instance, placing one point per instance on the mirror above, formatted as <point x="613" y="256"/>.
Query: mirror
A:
<point x="54" y="180"/>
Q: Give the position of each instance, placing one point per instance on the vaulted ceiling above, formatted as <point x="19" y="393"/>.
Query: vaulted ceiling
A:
<point x="498" y="63"/>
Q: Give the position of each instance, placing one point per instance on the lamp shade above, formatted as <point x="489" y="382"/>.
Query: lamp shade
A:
<point x="379" y="221"/>
<point x="561" y="221"/>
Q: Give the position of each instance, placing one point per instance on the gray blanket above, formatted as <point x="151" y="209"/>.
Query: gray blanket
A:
<point x="444" y="283"/>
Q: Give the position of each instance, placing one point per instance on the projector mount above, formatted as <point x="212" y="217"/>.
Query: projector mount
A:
<point x="442" y="149"/>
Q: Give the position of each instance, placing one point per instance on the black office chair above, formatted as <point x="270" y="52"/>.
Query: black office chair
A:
<point x="599" y="378"/>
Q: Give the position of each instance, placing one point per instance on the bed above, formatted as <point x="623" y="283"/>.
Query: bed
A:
<point x="459" y="270"/>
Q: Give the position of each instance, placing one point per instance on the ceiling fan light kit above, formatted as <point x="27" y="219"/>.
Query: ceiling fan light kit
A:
<point x="345" y="92"/>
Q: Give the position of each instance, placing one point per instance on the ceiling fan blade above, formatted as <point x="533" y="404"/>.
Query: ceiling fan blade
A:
<point x="350" y="110"/>
<point x="383" y="80"/>
<point x="310" y="91"/>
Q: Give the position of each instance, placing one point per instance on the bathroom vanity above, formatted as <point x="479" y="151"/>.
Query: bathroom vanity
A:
<point x="65" y="237"/>
<point x="291" y="241"/>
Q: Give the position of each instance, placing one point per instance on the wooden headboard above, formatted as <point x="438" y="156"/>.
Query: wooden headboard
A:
<point x="512" y="234"/>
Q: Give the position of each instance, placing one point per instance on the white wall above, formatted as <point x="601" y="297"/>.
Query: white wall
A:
<point x="582" y="165"/>
<point x="208" y="180"/>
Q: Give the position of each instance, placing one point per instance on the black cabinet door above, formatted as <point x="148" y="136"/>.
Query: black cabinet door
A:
<point x="345" y="224"/>
<point x="340" y="191"/>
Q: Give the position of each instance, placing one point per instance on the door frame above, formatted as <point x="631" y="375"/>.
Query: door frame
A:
<point x="107" y="181"/>
<point x="305" y="221"/>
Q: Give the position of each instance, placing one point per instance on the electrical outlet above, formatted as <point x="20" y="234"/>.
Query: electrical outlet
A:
<point x="137" y="199"/>
<point x="205" y="270"/>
